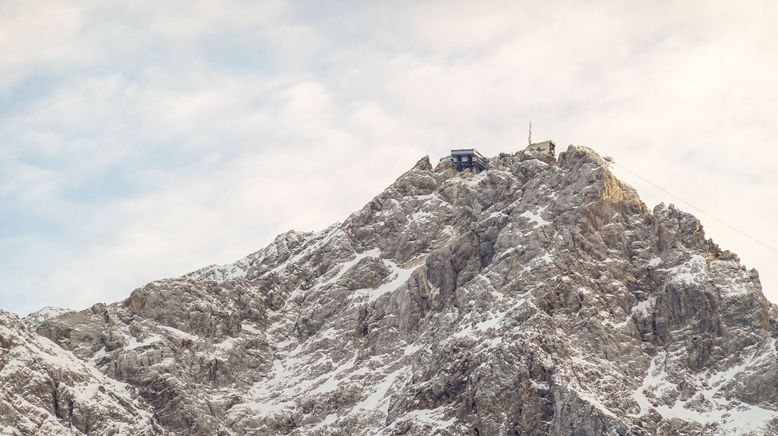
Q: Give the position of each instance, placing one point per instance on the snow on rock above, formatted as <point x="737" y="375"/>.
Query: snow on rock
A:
<point x="34" y="319"/>
<point x="534" y="217"/>
<point x="533" y="298"/>
<point x="397" y="277"/>
<point x="710" y="407"/>
<point x="47" y="390"/>
<point x="692" y="272"/>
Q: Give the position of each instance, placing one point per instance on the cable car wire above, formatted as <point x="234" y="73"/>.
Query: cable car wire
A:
<point x="730" y="226"/>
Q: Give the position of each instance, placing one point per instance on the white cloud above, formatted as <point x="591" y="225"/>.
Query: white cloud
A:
<point x="216" y="125"/>
<point x="36" y="36"/>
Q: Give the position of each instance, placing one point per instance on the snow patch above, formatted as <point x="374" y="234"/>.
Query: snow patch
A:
<point x="422" y="217"/>
<point x="35" y="318"/>
<point x="180" y="334"/>
<point x="430" y="417"/>
<point x="643" y="309"/>
<point x="133" y="342"/>
<point x="374" y="253"/>
<point x="398" y="277"/>
<point x="732" y="416"/>
<point x="535" y="218"/>
<point x="250" y="328"/>
<point x="332" y="382"/>
<point x="412" y="349"/>
<point x="693" y="272"/>
<point x="378" y="401"/>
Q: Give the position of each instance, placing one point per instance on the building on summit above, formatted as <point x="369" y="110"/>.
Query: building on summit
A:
<point x="467" y="159"/>
<point x="547" y="147"/>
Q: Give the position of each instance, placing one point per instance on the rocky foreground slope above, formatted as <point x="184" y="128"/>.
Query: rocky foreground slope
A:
<point x="539" y="297"/>
<point x="45" y="390"/>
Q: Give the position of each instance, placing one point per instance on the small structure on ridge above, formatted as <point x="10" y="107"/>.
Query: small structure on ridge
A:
<point x="546" y="147"/>
<point x="467" y="159"/>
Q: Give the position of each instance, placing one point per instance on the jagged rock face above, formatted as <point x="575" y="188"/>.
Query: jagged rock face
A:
<point x="539" y="297"/>
<point x="45" y="390"/>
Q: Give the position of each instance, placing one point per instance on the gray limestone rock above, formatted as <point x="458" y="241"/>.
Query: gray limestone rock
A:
<point x="45" y="390"/>
<point x="538" y="297"/>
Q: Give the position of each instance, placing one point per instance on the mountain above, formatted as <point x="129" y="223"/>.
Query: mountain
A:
<point x="538" y="297"/>
<point x="45" y="390"/>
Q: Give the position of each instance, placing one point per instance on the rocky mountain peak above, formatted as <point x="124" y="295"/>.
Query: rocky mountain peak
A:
<point x="538" y="297"/>
<point x="423" y="164"/>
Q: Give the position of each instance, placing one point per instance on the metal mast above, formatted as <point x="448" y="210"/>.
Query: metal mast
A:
<point x="529" y="138"/>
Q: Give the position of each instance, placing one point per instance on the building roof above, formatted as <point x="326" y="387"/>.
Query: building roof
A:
<point x="467" y="152"/>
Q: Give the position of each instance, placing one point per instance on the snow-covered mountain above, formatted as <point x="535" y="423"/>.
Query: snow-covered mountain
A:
<point x="538" y="297"/>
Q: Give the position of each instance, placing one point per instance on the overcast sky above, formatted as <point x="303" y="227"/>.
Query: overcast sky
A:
<point x="145" y="139"/>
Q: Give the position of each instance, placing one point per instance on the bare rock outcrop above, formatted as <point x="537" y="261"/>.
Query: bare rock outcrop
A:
<point x="45" y="390"/>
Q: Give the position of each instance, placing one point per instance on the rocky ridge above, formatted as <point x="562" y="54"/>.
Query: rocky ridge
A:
<point x="539" y="297"/>
<point x="45" y="390"/>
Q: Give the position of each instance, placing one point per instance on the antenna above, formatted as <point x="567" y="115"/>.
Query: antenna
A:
<point x="529" y="138"/>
